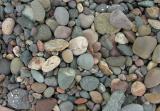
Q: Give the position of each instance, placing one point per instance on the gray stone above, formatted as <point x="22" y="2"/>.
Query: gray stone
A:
<point x="37" y="76"/>
<point x="62" y="32"/>
<point x="52" y="24"/>
<point x="156" y="54"/>
<point x="28" y="12"/>
<point x="89" y="83"/>
<point x="51" y="81"/>
<point x="25" y="57"/>
<point x="125" y="50"/>
<point x="49" y="92"/>
<point x="133" y="107"/>
<point x="66" y="106"/>
<point x="116" y="61"/>
<point x="4" y="66"/>
<point x="25" y="22"/>
<point x="106" y="42"/>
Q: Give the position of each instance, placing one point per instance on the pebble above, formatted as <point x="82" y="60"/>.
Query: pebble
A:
<point x="38" y="11"/>
<point x="61" y="15"/>
<point x="66" y="77"/>
<point x="119" y="20"/>
<point x="89" y="83"/>
<point x="138" y="88"/>
<point x="49" y="92"/>
<point x="152" y="78"/>
<point x="156" y="54"/>
<point x="102" y="24"/>
<point x="85" y="61"/>
<point x="46" y="4"/>
<point x="26" y="57"/>
<point x="28" y="12"/>
<point x="133" y="107"/>
<point x="96" y="97"/>
<point x="146" y="3"/>
<point x="80" y="101"/>
<point x="24" y="22"/>
<point x="120" y="38"/>
<point x="144" y="30"/>
<point x="38" y="87"/>
<point x="78" y="45"/>
<point x="37" y="76"/>
<point x="62" y="32"/>
<point x="106" y="42"/>
<point x="8" y="26"/>
<point x="66" y="106"/>
<point x="2" y="108"/>
<point x="56" y="45"/>
<point x="18" y="99"/>
<point x="52" y="24"/>
<point x="154" y="23"/>
<point x="152" y="97"/>
<point x="80" y="7"/>
<point x="67" y="56"/>
<point x="144" y="50"/>
<point x="50" y="81"/>
<point x="5" y="70"/>
<point x="36" y="63"/>
<point x="51" y="63"/>
<point x="86" y="20"/>
<point x="115" y="102"/>
<point x="125" y="50"/>
<point x="152" y="12"/>
<point x="16" y="65"/>
<point x="116" y="61"/>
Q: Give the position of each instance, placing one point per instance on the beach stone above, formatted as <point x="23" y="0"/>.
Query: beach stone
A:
<point x="156" y="54"/>
<point x="89" y="83"/>
<point x="154" y="23"/>
<point x="62" y="32"/>
<point x="2" y="108"/>
<point x="102" y="24"/>
<point x="49" y="92"/>
<point x="45" y="104"/>
<point x="119" y="20"/>
<point x="16" y="65"/>
<point x="65" y="77"/>
<point x="37" y="76"/>
<point x="61" y="15"/>
<point x="152" y="78"/>
<point x="125" y="50"/>
<point x="66" y="106"/>
<point x="144" y="30"/>
<point x="56" y="45"/>
<point x="26" y="56"/>
<point x="115" y="102"/>
<point x="51" y="63"/>
<point x="50" y="81"/>
<point x="52" y="24"/>
<point x="133" y="107"/>
<point x="38" y="11"/>
<point x="18" y="99"/>
<point x="96" y="97"/>
<point x="144" y="50"/>
<point x="46" y="4"/>
<point x="116" y="61"/>
<point x="120" y="38"/>
<point x="28" y="12"/>
<point x="78" y="45"/>
<point x="67" y="56"/>
<point x="106" y="42"/>
<point x="44" y="33"/>
<point x="153" y="97"/>
<point x="138" y="88"/>
<point x="86" y="20"/>
<point x="36" y="63"/>
<point x="85" y="61"/>
<point x="38" y="87"/>
<point x="8" y="26"/>
<point x="5" y="66"/>
<point x="25" y="22"/>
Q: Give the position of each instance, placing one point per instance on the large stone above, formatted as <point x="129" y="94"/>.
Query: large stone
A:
<point x="154" y="23"/>
<point x="156" y="54"/>
<point x="37" y="76"/>
<point x="62" y="32"/>
<point x="28" y="12"/>
<point x="144" y="46"/>
<point x="7" y="26"/>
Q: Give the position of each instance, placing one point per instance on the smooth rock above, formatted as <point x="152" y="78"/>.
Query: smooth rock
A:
<point x="52" y="24"/>
<point x="46" y="4"/>
<point x="96" y="97"/>
<point x="28" y="12"/>
<point x="144" y="30"/>
<point x="5" y="66"/>
<point x="138" y="88"/>
<point x="89" y="83"/>
<point x="133" y="107"/>
<point x="106" y="42"/>
<point x="61" y="15"/>
<point x="49" y="92"/>
<point x="38" y="87"/>
<point x="116" y="61"/>
<point x="67" y="56"/>
<point x="156" y="54"/>
<point x="56" y="45"/>
<point x="36" y="63"/>
<point x="50" y="81"/>
<point x="78" y="45"/>
<point x="7" y="26"/>
<point x="125" y="50"/>
<point x="66" y="106"/>
<point x="120" y="38"/>
<point x="26" y="56"/>
<point x="153" y="12"/>
<point x="37" y="76"/>
<point x="153" y="97"/>
<point x="154" y="23"/>
<point x="25" y="22"/>
<point x="62" y="32"/>
<point x="66" y="77"/>
<point x="144" y="46"/>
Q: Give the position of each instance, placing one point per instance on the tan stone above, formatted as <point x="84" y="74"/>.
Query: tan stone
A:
<point x="153" y="97"/>
<point x="96" y="97"/>
<point x="138" y="88"/>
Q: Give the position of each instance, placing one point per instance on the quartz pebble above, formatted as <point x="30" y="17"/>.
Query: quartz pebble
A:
<point x="36" y="63"/>
<point x="7" y="26"/>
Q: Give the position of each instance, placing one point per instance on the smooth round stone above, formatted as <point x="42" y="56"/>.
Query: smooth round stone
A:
<point x="18" y="99"/>
<point x="36" y="63"/>
<point x="7" y="26"/>
<point x="4" y="66"/>
<point x="50" y="81"/>
<point x="66" y="77"/>
<point x="120" y="38"/>
<point x="152" y="78"/>
<point x="101" y="8"/>
<point x="144" y="46"/>
<point x="117" y="84"/>
<point x="86" y="20"/>
<point x="91" y="36"/>
<point x="133" y="107"/>
<point x="116" y="70"/>
<point x="38" y="11"/>
<point x="116" y="61"/>
<point x="78" y="45"/>
<point x="16" y="65"/>
<point x="154" y="23"/>
<point x="89" y="83"/>
<point x="66" y="106"/>
<point x="62" y="32"/>
<point x="38" y="87"/>
<point x="56" y="45"/>
<point x="49" y="92"/>
<point x="153" y="98"/>
<point x="28" y="12"/>
<point x="156" y="54"/>
<point x="102" y="24"/>
<point x="138" y="88"/>
<point x="67" y="56"/>
<point x="51" y="63"/>
<point x="52" y="24"/>
<point x="144" y="30"/>
<point x="8" y="9"/>
<point x="85" y="61"/>
<point x="96" y="97"/>
<point x="61" y="15"/>
<point x="44" y="33"/>
<point x="37" y="76"/>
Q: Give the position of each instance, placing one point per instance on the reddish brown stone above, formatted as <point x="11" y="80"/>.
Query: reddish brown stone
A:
<point x="80" y="101"/>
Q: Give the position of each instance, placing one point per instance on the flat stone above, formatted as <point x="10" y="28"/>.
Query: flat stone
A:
<point x="152" y="78"/>
<point x="116" y="61"/>
<point x="25" y="22"/>
<point x="50" y="81"/>
<point x="144" y="46"/>
<point x="66" y="106"/>
<point x="18" y="99"/>
<point x="96" y="97"/>
<point x="153" y="97"/>
<point x="36" y="63"/>
<point x="4" y="66"/>
<point x="133" y="107"/>
<point x="156" y="54"/>
<point x="66" y="77"/>
<point x="89" y="83"/>
<point x="125" y="50"/>
<point x="120" y="38"/>
<point x="61" y="15"/>
<point x="37" y="76"/>
<point x="46" y="4"/>
<point x="154" y="23"/>
<point x="85" y="61"/>
<point x="49" y="92"/>
<point x="144" y="30"/>
<point x="102" y="24"/>
<point x="62" y="32"/>
<point x="38" y="87"/>
<point x="2" y="108"/>
<point x="56" y="45"/>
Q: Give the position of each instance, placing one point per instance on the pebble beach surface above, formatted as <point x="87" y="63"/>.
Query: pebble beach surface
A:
<point x="79" y="55"/>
